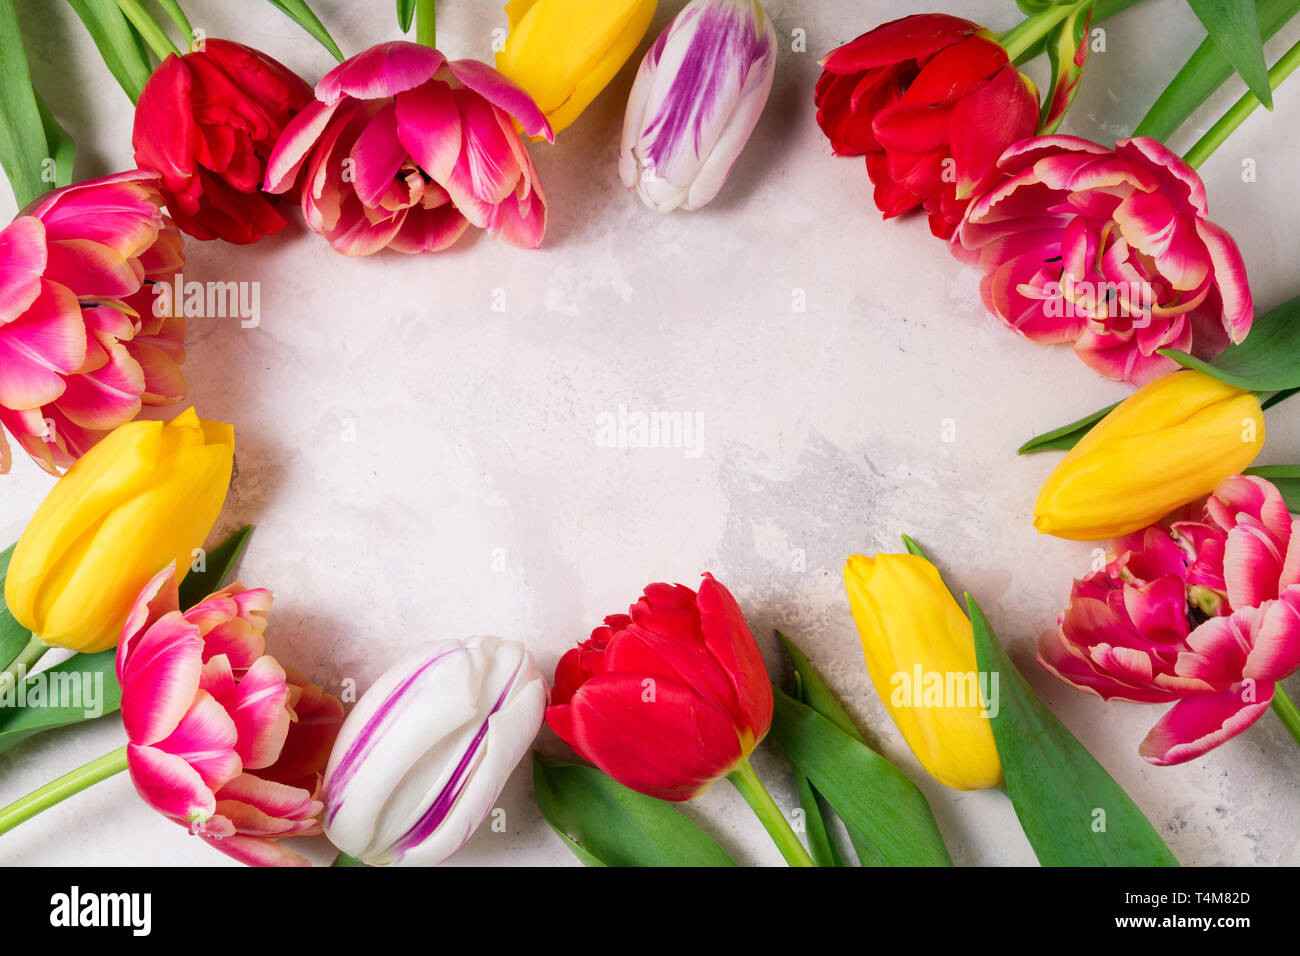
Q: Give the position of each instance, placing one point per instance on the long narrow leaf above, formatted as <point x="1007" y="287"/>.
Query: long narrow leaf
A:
<point x="301" y="14"/>
<point x="1233" y="25"/>
<point x="1070" y="808"/>
<point x="220" y="564"/>
<point x="63" y="150"/>
<point x="1267" y="361"/>
<point x="23" y="150"/>
<point x="866" y="790"/>
<point x="1205" y="72"/>
<point x="606" y="824"/>
<point x="13" y="636"/>
<point x="118" y="43"/>
<point x="1065" y="437"/>
<point x="405" y="14"/>
<point x="821" y="846"/>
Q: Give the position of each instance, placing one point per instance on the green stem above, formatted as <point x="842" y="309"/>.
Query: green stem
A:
<point x="426" y="28"/>
<point x="32" y="652"/>
<point x="1286" y="712"/>
<point x="769" y="814"/>
<point x="148" y="28"/>
<point x="57" y="790"/>
<point x="1024" y="35"/>
<point x="344" y="860"/>
<point x="1224" y="128"/>
<point x="178" y="17"/>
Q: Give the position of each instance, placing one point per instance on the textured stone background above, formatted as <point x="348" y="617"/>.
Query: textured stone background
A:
<point x="475" y="497"/>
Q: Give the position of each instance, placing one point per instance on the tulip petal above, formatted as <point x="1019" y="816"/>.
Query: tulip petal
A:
<point x="381" y="71"/>
<point x="1198" y="724"/>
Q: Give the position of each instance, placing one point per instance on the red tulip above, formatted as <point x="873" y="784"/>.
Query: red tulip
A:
<point x="669" y="699"/>
<point x="207" y="121"/>
<point x="931" y="102"/>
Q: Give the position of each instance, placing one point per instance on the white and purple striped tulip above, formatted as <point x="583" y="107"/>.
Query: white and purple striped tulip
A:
<point x="423" y="756"/>
<point x="696" y="100"/>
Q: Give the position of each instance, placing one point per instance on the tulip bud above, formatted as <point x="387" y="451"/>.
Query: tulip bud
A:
<point x="145" y="496"/>
<point x="1166" y="445"/>
<point x="920" y="652"/>
<point x="696" y="100"/>
<point x="423" y="756"/>
<point x="564" y="52"/>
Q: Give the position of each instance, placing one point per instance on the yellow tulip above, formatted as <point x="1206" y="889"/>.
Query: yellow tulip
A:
<point x="920" y="652"/>
<point x="564" y="52"/>
<point x="1169" y="443"/>
<point x="146" y="495"/>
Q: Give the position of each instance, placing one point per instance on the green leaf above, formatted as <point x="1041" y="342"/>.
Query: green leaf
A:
<point x="301" y="14"/>
<point x="1233" y="25"/>
<point x="817" y="694"/>
<point x="87" y="681"/>
<point x="1267" y="361"/>
<point x="13" y="636"/>
<point x="221" y="562"/>
<point x="118" y="43"/>
<point x="821" y="847"/>
<point x="63" y="150"/>
<point x="868" y="792"/>
<point x="606" y="824"/>
<point x="1067" y="436"/>
<point x="1287" y="480"/>
<point x="1204" y="73"/>
<point x="405" y="14"/>
<point x="1070" y="808"/>
<point x="23" y="149"/>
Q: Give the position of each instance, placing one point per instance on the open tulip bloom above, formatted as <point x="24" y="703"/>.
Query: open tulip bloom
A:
<point x="1204" y="614"/>
<point x="222" y="739"/>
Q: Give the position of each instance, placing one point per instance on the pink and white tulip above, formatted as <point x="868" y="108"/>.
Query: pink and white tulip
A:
<point x="81" y="348"/>
<point x="210" y="717"/>
<point x="1109" y="250"/>
<point x="697" y="98"/>
<point x="1202" y="614"/>
<point x="404" y="149"/>
<point x="425" y="753"/>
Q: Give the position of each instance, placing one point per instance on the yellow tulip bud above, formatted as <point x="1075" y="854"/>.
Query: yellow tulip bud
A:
<point x="920" y="652"/>
<point x="146" y="495"/>
<point x="1169" y="443"/>
<point x="564" y="52"/>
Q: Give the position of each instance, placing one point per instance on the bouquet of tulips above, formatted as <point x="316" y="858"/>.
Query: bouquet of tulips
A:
<point x="1106" y="247"/>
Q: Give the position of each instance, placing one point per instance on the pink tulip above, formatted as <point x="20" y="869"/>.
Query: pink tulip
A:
<point x="212" y="725"/>
<point x="1109" y="250"/>
<point x="81" y="349"/>
<point x="404" y="149"/>
<point x="1202" y="614"/>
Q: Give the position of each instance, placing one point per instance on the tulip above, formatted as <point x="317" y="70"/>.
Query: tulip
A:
<point x="211" y="717"/>
<point x="1166" y="445"/>
<point x="669" y="698"/>
<point x="146" y="495"/>
<point x="403" y="149"/>
<point x="564" y="52"/>
<point x="1109" y="250"/>
<point x="82" y="347"/>
<point x="207" y="122"/>
<point x="931" y="101"/>
<point x="1204" y="614"/>
<point x="915" y="638"/>
<point x="696" y="99"/>
<point x="424" y="754"/>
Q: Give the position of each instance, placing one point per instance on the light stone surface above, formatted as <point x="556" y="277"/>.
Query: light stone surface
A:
<point x="476" y="498"/>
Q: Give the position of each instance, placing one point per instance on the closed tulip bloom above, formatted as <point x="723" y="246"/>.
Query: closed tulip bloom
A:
<point x="82" y="345"/>
<point x="423" y="756"/>
<point x="912" y="630"/>
<point x="144" y="497"/>
<point x="1166" y="445"/>
<point x="697" y="97"/>
<point x="668" y="698"/>
<point x="207" y="122"/>
<point x="217" y="743"/>
<point x="564" y="52"/>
